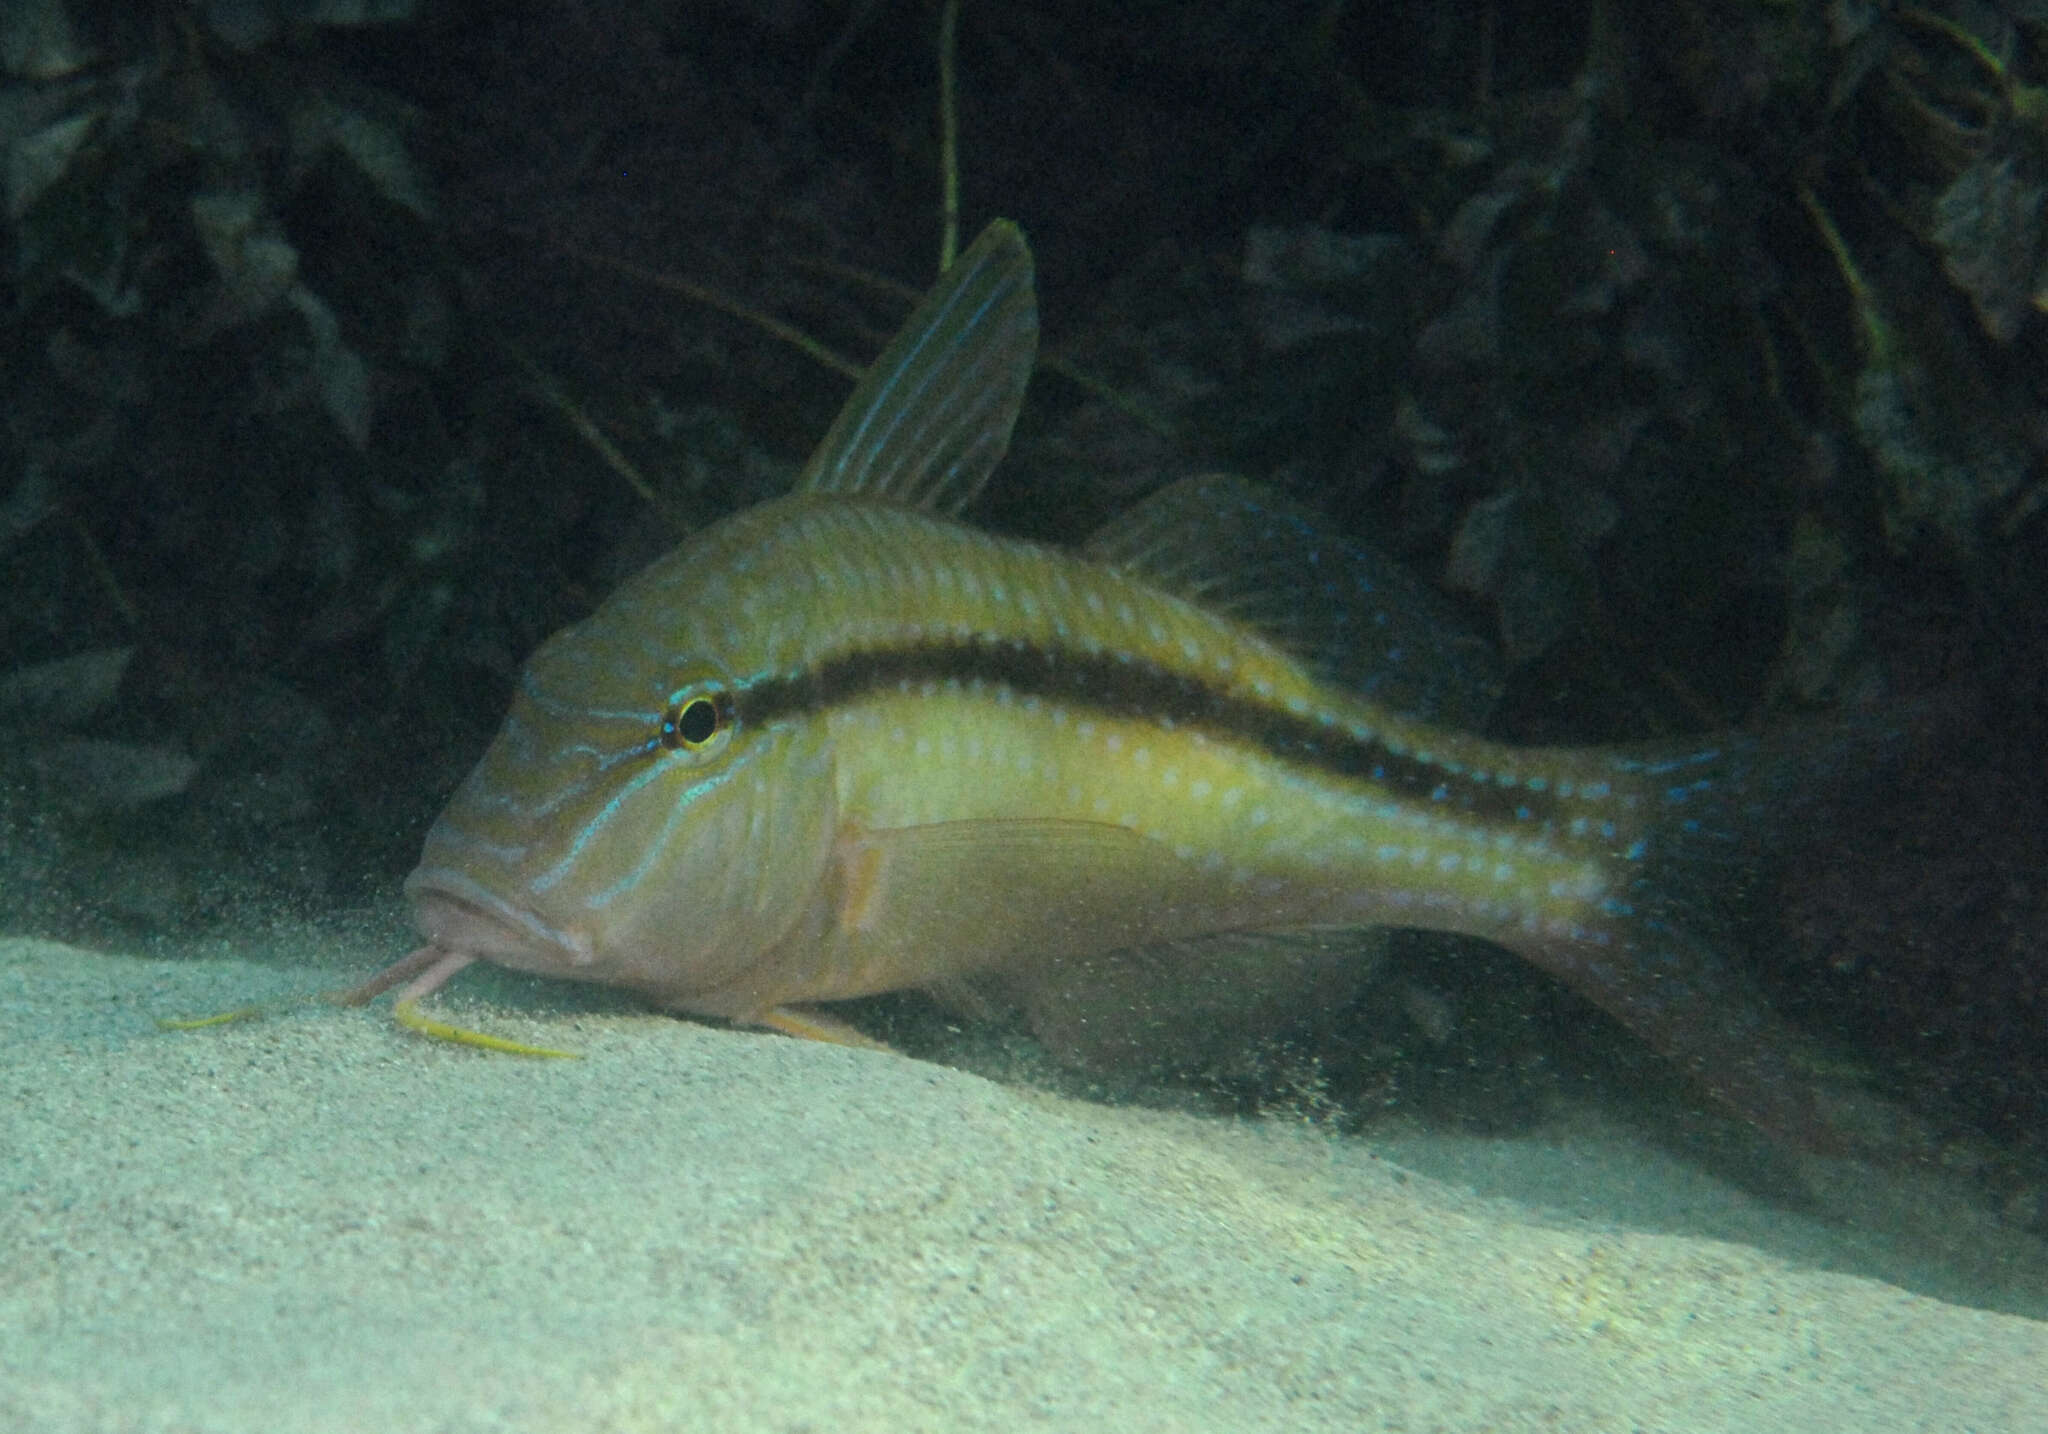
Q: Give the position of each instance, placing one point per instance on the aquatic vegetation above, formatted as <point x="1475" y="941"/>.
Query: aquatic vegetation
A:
<point x="58" y="781"/>
<point x="42" y="708"/>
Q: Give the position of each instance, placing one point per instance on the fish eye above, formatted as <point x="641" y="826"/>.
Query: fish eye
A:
<point x="698" y="721"/>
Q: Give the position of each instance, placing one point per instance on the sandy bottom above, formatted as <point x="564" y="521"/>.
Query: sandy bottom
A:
<point x="317" y="1222"/>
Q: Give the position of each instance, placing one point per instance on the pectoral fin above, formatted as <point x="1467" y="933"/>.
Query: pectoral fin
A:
<point x="918" y="906"/>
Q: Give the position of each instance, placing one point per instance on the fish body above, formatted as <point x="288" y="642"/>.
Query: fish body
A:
<point x="907" y="690"/>
<point x="843" y="743"/>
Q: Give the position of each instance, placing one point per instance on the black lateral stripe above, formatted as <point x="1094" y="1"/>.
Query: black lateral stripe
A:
<point x="1129" y="687"/>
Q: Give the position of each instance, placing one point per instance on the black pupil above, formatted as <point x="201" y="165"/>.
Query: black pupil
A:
<point x="697" y="721"/>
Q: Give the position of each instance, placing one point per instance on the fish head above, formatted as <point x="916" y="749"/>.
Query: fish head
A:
<point x="625" y="825"/>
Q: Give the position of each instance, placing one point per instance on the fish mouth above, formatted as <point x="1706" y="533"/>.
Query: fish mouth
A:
<point x="458" y="915"/>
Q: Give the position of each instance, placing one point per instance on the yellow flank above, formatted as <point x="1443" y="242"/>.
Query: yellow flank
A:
<point x="824" y="581"/>
<point x="948" y="752"/>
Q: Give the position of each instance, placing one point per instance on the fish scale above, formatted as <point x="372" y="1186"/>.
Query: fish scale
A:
<point x="843" y="743"/>
<point x="957" y="746"/>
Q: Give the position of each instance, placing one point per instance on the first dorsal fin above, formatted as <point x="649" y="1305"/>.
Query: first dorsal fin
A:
<point x="1360" y="618"/>
<point x="932" y="416"/>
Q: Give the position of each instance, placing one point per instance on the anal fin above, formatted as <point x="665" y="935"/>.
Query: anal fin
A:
<point x="1203" y="1003"/>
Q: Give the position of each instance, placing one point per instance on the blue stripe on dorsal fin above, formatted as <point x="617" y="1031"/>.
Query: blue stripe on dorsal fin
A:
<point x="1360" y="618"/>
<point x="932" y="416"/>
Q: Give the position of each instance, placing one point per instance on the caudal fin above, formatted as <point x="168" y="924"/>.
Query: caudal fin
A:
<point x="1713" y="815"/>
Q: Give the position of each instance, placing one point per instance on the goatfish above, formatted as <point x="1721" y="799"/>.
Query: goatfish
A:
<point x="842" y="743"/>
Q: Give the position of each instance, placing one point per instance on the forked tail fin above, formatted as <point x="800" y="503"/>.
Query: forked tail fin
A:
<point x="1652" y="952"/>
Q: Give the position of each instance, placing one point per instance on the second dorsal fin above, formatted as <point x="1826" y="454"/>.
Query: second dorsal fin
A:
<point x="932" y="416"/>
<point x="1360" y="618"/>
